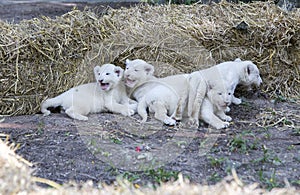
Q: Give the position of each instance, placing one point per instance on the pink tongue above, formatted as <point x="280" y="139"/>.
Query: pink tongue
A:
<point x="104" y="86"/>
<point x="129" y="82"/>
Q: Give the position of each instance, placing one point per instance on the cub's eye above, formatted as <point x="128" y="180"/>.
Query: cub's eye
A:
<point x="127" y="68"/>
<point x="136" y="70"/>
<point x="219" y="93"/>
<point x="99" y="73"/>
<point x="107" y="73"/>
<point x="229" y="93"/>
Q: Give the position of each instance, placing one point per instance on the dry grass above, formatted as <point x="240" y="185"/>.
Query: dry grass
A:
<point x="15" y="178"/>
<point x="43" y="57"/>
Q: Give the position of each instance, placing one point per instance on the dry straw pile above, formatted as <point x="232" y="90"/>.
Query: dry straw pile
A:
<point x="43" y="57"/>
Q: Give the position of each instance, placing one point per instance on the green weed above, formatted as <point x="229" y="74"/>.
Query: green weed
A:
<point x="215" y="177"/>
<point x="40" y="128"/>
<point x="116" y="140"/>
<point x="216" y="162"/>
<point x="268" y="157"/>
<point x="237" y="143"/>
<point x="268" y="183"/>
<point x="161" y="175"/>
<point x="131" y="177"/>
<point x="241" y="144"/>
<point x="297" y="182"/>
<point x="157" y="176"/>
<point x="296" y="132"/>
<point x="291" y="147"/>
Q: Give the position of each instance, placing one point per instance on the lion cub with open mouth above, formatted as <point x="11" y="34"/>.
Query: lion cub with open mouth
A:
<point x="165" y="97"/>
<point x="107" y="94"/>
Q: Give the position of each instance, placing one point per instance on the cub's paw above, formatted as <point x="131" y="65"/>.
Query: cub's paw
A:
<point x="46" y="113"/>
<point x="227" y="118"/>
<point x="131" y="112"/>
<point x="193" y="122"/>
<point x="169" y="121"/>
<point x="227" y="109"/>
<point x="82" y="118"/>
<point x="144" y="117"/>
<point x="133" y="106"/>
<point x="236" y="101"/>
<point x="222" y="125"/>
<point x="128" y="112"/>
<point x="225" y="125"/>
<point x="177" y="117"/>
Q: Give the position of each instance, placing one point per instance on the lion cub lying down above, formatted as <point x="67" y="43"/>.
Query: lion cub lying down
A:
<point x="211" y="90"/>
<point x="107" y="94"/>
<point x="161" y="96"/>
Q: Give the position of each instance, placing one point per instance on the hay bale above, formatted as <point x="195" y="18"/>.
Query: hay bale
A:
<point x="270" y="38"/>
<point x="41" y="58"/>
<point x="14" y="173"/>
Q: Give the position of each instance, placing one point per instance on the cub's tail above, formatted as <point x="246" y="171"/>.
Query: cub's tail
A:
<point x="52" y="102"/>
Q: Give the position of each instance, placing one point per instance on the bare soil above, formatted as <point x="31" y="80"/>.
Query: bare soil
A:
<point x="262" y="144"/>
<point x="16" y="12"/>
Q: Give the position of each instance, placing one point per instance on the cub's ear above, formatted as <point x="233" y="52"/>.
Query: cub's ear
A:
<point x="97" y="69"/>
<point x="249" y="69"/>
<point x="127" y="61"/>
<point x="119" y="71"/>
<point x="237" y="60"/>
<point x="232" y="86"/>
<point x="149" y="69"/>
<point x="210" y="85"/>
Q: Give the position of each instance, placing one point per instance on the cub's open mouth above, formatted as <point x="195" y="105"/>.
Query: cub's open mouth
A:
<point x="223" y="106"/>
<point x="129" y="82"/>
<point x="104" y="86"/>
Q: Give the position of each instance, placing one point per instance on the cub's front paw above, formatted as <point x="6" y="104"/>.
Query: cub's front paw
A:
<point x="193" y="122"/>
<point x="128" y="112"/>
<point x="227" y="118"/>
<point x="81" y="118"/>
<point x="222" y="125"/>
<point x="236" y="101"/>
<point x="133" y="106"/>
<point x="177" y="117"/>
<point x="46" y="113"/>
<point x="131" y="112"/>
<point x="227" y="109"/>
<point x="169" y="121"/>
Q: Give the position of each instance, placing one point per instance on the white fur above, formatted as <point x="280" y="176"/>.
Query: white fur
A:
<point x="164" y="97"/>
<point x="214" y="106"/>
<point x="209" y="96"/>
<point x="206" y="85"/>
<point x="107" y="94"/>
<point x="239" y="72"/>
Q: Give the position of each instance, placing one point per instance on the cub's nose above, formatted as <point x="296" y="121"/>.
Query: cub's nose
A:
<point x="227" y="102"/>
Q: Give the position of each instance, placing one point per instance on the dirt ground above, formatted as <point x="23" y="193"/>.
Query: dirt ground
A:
<point x="262" y="144"/>
<point x="16" y="12"/>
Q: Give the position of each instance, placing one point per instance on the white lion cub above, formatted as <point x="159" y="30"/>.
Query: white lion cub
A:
<point x="214" y="105"/>
<point x="107" y="94"/>
<point x="164" y="97"/>
<point x="224" y="78"/>
<point x="239" y="72"/>
<point x="209" y="96"/>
